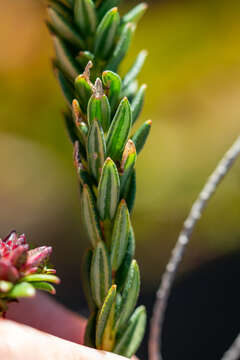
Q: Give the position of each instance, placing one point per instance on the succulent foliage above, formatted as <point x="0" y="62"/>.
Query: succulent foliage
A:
<point x="91" y="39"/>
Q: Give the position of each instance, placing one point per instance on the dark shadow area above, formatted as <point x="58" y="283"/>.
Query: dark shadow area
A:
<point x="203" y="315"/>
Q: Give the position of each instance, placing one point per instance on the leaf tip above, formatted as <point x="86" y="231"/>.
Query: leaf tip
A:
<point x="57" y="280"/>
<point x="108" y="160"/>
<point x="53" y="291"/>
<point x="98" y="88"/>
<point x="145" y="5"/>
<point x="125" y="101"/>
<point x="76" y="109"/>
<point x="131" y="146"/>
<point x="123" y="203"/>
<point x="85" y="188"/>
<point x="144" y="53"/>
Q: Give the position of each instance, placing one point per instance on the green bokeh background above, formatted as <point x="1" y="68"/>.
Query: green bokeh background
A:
<point x="193" y="77"/>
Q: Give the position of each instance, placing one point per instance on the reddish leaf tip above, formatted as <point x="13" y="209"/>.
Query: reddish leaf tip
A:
<point x="123" y="202"/>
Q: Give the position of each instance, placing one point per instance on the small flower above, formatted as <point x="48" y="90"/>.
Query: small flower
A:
<point x="23" y="270"/>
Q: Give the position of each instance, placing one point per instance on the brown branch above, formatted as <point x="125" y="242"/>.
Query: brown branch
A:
<point x="177" y="254"/>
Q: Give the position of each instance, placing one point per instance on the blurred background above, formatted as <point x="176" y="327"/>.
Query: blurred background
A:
<point x="193" y="78"/>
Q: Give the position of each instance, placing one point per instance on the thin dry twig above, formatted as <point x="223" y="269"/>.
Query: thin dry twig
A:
<point x="195" y="214"/>
<point x="233" y="353"/>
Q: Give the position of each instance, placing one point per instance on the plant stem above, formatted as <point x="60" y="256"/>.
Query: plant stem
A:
<point x="233" y="353"/>
<point x="155" y="352"/>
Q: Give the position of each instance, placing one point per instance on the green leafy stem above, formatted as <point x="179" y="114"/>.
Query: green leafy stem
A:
<point x="91" y="39"/>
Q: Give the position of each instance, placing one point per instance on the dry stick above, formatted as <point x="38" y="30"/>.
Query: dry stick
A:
<point x="233" y="353"/>
<point x="179" y="249"/>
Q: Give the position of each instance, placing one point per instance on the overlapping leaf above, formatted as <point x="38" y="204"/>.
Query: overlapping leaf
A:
<point x="91" y="41"/>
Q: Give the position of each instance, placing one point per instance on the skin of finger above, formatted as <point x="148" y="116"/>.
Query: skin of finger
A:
<point x="21" y="342"/>
<point x="46" y="314"/>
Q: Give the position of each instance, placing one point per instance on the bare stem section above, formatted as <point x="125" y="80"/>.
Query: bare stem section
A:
<point x="177" y="254"/>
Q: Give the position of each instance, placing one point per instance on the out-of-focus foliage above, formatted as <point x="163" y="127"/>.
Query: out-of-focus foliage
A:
<point x="193" y="96"/>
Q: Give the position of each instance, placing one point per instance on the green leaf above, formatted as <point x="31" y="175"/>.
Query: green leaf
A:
<point x="76" y="111"/>
<point x="137" y="103"/>
<point x="118" y="306"/>
<point x="100" y="275"/>
<point x="44" y="286"/>
<point x="129" y="192"/>
<point x="108" y="338"/>
<point x="83" y="90"/>
<point x="119" y="130"/>
<point x="96" y="149"/>
<point x="22" y="289"/>
<point x="130" y="294"/>
<point x="70" y="126"/>
<point x="99" y="107"/>
<point x="86" y="269"/>
<point x="85" y="16"/>
<point x="130" y="339"/>
<point x="89" y="337"/>
<point x="5" y="286"/>
<point x="106" y="310"/>
<point x="135" y="69"/>
<point x="65" y="59"/>
<point x="84" y="57"/>
<point x="105" y="6"/>
<point x="68" y="3"/>
<point x="141" y="135"/>
<point x="126" y="263"/>
<point x="90" y="216"/>
<point x="73" y="134"/>
<point x="79" y="154"/>
<point x="84" y="176"/>
<point x="84" y="129"/>
<point x="64" y="29"/>
<point x="41" y="277"/>
<point x="120" y="234"/>
<point x="108" y="190"/>
<point x="66" y="87"/>
<point x="127" y="164"/>
<point x="106" y="33"/>
<point x="63" y="9"/>
<point x="121" y="47"/>
<point x="113" y="83"/>
<point x="82" y="132"/>
<point x="131" y="90"/>
<point x="135" y="14"/>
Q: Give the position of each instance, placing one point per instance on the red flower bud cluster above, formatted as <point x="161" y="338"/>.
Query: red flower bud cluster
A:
<point x="16" y="260"/>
